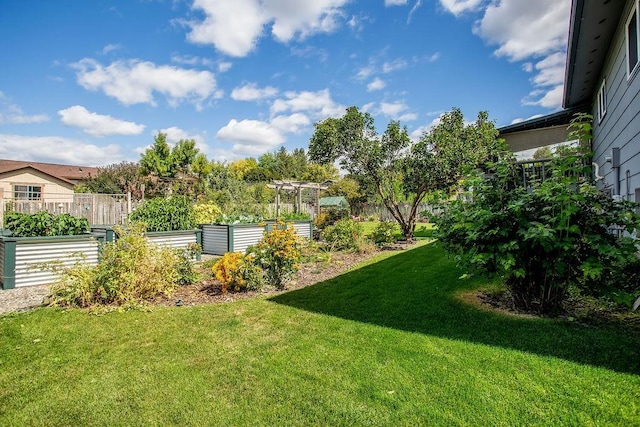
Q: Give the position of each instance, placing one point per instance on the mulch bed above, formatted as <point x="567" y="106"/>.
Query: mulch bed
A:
<point x="209" y="290"/>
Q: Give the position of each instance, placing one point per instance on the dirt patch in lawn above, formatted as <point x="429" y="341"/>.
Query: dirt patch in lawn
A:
<point x="498" y="303"/>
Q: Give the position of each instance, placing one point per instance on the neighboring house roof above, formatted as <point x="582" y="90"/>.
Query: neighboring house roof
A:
<point x="333" y="201"/>
<point x="556" y="119"/>
<point x="541" y="131"/>
<point x="592" y="27"/>
<point x="68" y="173"/>
<point x="24" y="168"/>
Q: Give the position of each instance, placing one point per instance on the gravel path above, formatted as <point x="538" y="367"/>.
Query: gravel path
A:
<point x="20" y="299"/>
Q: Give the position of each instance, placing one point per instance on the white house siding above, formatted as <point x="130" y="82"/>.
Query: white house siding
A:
<point x="620" y="127"/>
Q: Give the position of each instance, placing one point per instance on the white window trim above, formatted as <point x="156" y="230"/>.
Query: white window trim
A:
<point x="632" y="72"/>
<point x="28" y="192"/>
<point x="601" y="99"/>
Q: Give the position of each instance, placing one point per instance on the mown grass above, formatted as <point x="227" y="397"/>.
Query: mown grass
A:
<point x="390" y="343"/>
<point x="423" y="229"/>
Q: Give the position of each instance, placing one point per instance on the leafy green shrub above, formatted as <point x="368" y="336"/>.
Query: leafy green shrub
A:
<point x="364" y="245"/>
<point x="184" y="265"/>
<point x="321" y="220"/>
<point x="336" y="214"/>
<point x="294" y="216"/>
<point x="239" y="219"/>
<point x="385" y="233"/>
<point x="206" y="213"/>
<point x="44" y="223"/>
<point x="544" y="238"/>
<point x="173" y="213"/>
<point x="238" y="272"/>
<point x="131" y="270"/>
<point x="343" y="235"/>
<point x="278" y="253"/>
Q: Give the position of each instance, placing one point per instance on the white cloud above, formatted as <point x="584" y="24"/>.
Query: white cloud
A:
<point x="395" y="65"/>
<point x="458" y="7"/>
<point x="136" y="82"/>
<point x="110" y="48"/>
<point x="434" y="57"/>
<point x="547" y="99"/>
<point x="292" y="113"/>
<point x="420" y="131"/>
<point x="235" y="27"/>
<point x="303" y="18"/>
<point x="224" y="66"/>
<point x="535" y="32"/>
<point x="365" y="72"/>
<point x="14" y="115"/>
<point x="97" y="124"/>
<point x="57" y="149"/>
<point x="551" y="70"/>
<point x="524" y="29"/>
<point x="388" y="3"/>
<point x="520" y="119"/>
<point x="414" y="9"/>
<point x="291" y="124"/>
<point x="396" y="111"/>
<point x="251" y="137"/>
<point x="318" y="105"/>
<point x="376" y="84"/>
<point x="191" y="60"/>
<point x="231" y="26"/>
<point x="251" y="92"/>
<point x="175" y="134"/>
<point x="368" y="107"/>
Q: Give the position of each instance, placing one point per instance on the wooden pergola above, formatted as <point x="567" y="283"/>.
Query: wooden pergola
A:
<point x="298" y="186"/>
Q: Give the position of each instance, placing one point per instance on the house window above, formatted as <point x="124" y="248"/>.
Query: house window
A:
<point x="632" y="42"/>
<point x="602" y="100"/>
<point x="27" y="192"/>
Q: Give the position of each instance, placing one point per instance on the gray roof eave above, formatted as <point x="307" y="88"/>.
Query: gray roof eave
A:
<point x="592" y="27"/>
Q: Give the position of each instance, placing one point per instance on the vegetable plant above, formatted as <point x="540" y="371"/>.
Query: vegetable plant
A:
<point x="165" y="214"/>
<point x="44" y="223"/>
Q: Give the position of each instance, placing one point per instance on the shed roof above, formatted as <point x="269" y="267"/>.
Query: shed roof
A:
<point x="333" y="201"/>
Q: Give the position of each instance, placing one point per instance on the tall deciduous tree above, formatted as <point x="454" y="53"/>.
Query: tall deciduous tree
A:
<point x="156" y="159"/>
<point x="118" y="178"/>
<point x="398" y="169"/>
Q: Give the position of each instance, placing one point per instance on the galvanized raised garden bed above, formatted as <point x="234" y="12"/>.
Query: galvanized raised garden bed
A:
<point x="23" y="259"/>
<point x="218" y="239"/>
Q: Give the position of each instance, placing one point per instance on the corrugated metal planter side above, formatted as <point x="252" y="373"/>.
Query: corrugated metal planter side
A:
<point x="176" y="239"/>
<point x="22" y="259"/>
<point x="304" y="228"/>
<point x="218" y="239"/>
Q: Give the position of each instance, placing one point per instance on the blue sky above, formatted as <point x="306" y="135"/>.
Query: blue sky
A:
<point x="91" y="82"/>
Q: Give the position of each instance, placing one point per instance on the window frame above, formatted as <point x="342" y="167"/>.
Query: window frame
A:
<point x="632" y="71"/>
<point x="601" y="100"/>
<point x="29" y="194"/>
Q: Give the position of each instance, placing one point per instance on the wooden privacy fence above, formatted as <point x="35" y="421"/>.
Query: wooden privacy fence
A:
<point x="96" y="208"/>
<point x="381" y="213"/>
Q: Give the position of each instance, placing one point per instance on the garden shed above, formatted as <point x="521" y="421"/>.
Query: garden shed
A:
<point x="339" y="202"/>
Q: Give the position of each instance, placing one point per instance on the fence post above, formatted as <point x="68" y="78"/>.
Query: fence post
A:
<point x="128" y="202"/>
<point x="2" y="207"/>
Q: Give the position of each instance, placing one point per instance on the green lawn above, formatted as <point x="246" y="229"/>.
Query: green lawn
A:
<point x="386" y="344"/>
<point x="423" y="229"/>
